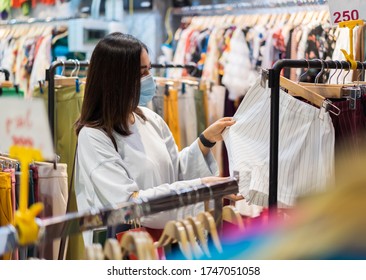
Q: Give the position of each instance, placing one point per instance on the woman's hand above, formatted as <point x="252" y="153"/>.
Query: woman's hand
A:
<point x="213" y="132"/>
<point x="213" y="180"/>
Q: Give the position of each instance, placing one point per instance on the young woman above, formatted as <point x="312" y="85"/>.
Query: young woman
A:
<point x="126" y="150"/>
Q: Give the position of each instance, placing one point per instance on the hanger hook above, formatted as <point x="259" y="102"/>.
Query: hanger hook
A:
<point x="326" y="71"/>
<point x="336" y="69"/>
<point x="63" y="67"/>
<point x="349" y="70"/>
<point x="340" y="72"/>
<point x="76" y="66"/>
<point x="307" y="70"/>
<point x="321" y="71"/>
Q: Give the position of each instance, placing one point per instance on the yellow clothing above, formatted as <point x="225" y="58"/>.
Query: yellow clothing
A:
<point x="171" y="115"/>
<point x="6" y="212"/>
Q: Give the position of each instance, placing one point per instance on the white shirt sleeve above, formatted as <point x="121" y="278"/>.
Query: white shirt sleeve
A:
<point x="102" y="177"/>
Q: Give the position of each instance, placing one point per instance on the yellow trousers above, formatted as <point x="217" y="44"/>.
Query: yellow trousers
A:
<point x="6" y="208"/>
<point x="171" y="115"/>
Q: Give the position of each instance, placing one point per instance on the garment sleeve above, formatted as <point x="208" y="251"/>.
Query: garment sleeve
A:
<point x="190" y="162"/>
<point x="110" y="181"/>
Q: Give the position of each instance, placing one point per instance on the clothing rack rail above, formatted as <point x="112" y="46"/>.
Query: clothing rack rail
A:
<point x="170" y="65"/>
<point x="73" y="223"/>
<point x="273" y="76"/>
<point x="35" y="20"/>
<point x="50" y="77"/>
<point x="238" y="8"/>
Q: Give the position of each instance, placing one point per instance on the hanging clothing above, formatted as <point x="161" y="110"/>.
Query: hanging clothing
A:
<point x="216" y="103"/>
<point x="147" y="161"/>
<point x="42" y="61"/>
<point x="53" y="193"/>
<point x="171" y="114"/>
<point x="306" y="148"/>
<point x="68" y="99"/>
<point x="200" y="110"/>
<point x="6" y="208"/>
<point x="350" y="126"/>
<point x="187" y="116"/>
<point x="158" y="101"/>
<point x="238" y="74"/>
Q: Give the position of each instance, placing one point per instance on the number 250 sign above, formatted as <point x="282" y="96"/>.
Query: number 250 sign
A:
<point x="341" y="10"/>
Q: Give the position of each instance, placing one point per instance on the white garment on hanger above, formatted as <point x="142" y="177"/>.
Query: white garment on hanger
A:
<point x="53" y="193"/>
<point x="306" y="147"/>
<point x="187" y="117"/>
<point x="238" y="74"/>
<point x="216" y="107"/>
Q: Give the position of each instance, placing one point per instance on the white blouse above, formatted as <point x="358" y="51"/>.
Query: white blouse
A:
<point x="147" y="161"/>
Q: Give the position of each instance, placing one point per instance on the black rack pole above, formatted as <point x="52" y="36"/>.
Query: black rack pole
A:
<point x="274" y="84"/>
<point x="6" y="73"/>
<point x="171" y="65"/>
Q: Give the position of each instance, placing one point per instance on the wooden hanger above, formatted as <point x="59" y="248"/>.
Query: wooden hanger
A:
<point x="63" y="81"/>
<point x="6" y="84"/>
<point x="298" y="90"/>
<point x="231" y="214"/>
<point x="197" y="253"/>
<point x="151" y="253"/>
<point x="209" y="225"/>
<point x="94" y="252"/>
<point x="112" y="249"/>
<point x="325" y="90"/>
<point x="199" y="233"/>
<point x="132" y="243"/>
<point x="175" y="232"/>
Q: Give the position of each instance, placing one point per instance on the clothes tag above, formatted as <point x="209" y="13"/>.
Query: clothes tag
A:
<point x="341" y="10"/>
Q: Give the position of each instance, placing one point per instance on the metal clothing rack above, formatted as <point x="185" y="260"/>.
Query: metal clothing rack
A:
<point x="50" y="77"/>
<point x="35" y="20"/>
<point x="171" y="65"/>
<point x="73" y="223"/>
<point x="246" y="7"/>
<point x="273" y="76"/>
<point x="6" y="73"/>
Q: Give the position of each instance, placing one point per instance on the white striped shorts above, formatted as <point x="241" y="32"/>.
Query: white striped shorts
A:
<point x="306" y="147"/>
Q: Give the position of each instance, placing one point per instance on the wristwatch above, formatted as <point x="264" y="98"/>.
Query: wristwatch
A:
<point x="206" y="142"/>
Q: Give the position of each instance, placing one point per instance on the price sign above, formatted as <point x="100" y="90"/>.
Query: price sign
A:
<point x="345" y="10"/>
<point x="25" y="123"/>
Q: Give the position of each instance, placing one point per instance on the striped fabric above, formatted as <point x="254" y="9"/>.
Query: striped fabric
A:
<point x="306" y="148"/>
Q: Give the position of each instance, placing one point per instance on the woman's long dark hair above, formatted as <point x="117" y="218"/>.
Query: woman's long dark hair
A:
<point x="112" y="89"/>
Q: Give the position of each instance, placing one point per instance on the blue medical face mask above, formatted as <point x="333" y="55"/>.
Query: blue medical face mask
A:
<point x="147" y="90"/>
